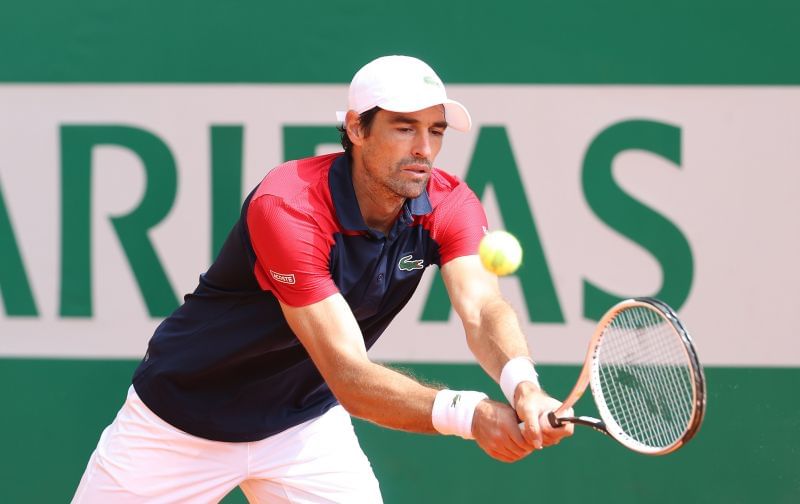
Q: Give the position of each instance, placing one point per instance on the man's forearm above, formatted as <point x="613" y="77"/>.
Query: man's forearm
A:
<point x="386" y="397"/>
<point x="497" y="337"/>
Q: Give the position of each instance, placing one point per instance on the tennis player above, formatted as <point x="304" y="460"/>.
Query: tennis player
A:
<point x="252" y="381"/>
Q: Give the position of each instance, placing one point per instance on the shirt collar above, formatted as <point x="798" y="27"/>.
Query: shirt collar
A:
<point x="340" y="180"/>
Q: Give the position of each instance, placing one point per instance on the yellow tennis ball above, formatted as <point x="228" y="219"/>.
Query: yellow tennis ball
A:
<point x="500" y="252"/>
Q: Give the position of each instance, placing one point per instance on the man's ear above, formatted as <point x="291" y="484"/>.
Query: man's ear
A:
<point x="352" y="125"/>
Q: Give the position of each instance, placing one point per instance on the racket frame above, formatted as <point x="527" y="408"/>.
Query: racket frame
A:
<point x="589" y="377"/>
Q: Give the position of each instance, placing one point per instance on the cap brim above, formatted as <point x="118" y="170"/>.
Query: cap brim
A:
<point x="455" y="113"/>
<point x="457" y="116"/>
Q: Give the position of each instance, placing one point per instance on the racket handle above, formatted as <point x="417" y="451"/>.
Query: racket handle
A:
<point x="554" y="420"/>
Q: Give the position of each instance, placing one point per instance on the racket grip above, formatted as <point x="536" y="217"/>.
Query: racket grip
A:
<point x="554" y="420"/>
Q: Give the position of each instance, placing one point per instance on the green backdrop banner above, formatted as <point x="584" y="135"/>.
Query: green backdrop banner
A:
<point x="746" y="451"/>
<point x="511" y="41"/>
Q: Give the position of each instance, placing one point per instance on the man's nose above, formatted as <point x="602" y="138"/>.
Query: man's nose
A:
<point x="422" y="146"/>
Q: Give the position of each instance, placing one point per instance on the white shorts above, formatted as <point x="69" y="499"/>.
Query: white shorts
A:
<point x="141" y="458"/>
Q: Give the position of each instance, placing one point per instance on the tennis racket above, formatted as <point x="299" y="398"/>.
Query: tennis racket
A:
<point x="645" y="377"/>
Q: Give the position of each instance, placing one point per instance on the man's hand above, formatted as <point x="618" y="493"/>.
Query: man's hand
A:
<point x="496" y="430"/>
<point x="533" y="405"/>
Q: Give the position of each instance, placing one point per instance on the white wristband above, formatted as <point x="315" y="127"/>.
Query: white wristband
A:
<point x="453" y="411"/>
<point x="516" y="371"/>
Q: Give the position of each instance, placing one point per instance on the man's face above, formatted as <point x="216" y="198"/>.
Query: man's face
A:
<point x="400" y="149"/>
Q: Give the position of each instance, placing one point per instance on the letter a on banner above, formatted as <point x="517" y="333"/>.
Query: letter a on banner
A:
<point x="493" y="164"/>
<point x="14" y="285"/>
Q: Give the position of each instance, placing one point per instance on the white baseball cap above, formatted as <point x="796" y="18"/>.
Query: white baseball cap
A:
<point x="402" y="84"/>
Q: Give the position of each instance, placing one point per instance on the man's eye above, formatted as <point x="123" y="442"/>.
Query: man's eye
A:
<point x="437" y="132"/>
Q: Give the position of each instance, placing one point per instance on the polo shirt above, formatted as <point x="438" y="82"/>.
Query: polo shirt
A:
<point x="225" y="365"/>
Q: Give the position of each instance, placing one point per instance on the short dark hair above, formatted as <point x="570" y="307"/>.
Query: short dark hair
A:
<point x="365" y="121"/>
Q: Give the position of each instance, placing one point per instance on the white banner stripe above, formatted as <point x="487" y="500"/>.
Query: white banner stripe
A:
<point x="734" y="197"/>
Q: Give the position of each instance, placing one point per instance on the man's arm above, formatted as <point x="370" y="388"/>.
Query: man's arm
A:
<point x="494" y="337"/>
<point x="329" y="332"/>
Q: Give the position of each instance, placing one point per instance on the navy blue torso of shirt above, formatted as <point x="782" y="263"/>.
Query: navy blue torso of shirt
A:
<point x="225" y="365"/>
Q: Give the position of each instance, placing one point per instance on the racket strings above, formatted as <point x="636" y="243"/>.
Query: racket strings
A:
<point x="645" y="378"/>
<point x="646" y="416"/>
<point x="659" y="383"/>
<point x="650" y="415"/>
<point x="652" y="419"/>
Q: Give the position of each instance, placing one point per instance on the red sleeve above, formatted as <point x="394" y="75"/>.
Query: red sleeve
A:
<point x="459" y="224"/>
<point x="292" y="252"/>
